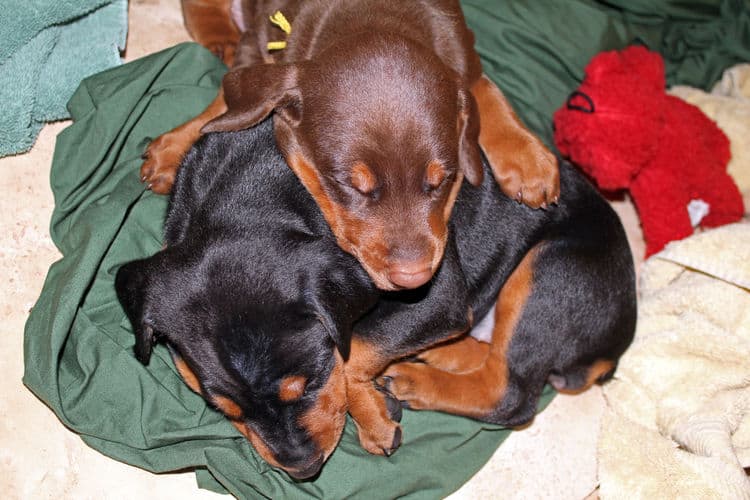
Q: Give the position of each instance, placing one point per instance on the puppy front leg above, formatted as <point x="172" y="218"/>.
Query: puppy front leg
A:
<point x="523" y="166"/>
<point x="164" y="154"/>
<point x="373" y="411"/>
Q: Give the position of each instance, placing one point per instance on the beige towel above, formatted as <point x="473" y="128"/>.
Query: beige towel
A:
<point x="677" y="422"/>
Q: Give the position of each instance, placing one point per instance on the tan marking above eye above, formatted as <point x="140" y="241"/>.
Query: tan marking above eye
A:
<point x="362" y="178"/>
<point x="435" y="174"/>
<point x="187" y="374"/>
<point x="228" y="407"/>
<point x="292" y="388"/>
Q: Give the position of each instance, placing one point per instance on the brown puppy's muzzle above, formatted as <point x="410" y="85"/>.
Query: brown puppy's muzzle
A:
<point x="411" y="264"/>
<point x="414" y="255"/>
<point x="410" y="274"/>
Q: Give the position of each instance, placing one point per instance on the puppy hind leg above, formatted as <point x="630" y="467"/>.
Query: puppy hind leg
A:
<point x="479" y="393"/>
<point x="458" y="356"/>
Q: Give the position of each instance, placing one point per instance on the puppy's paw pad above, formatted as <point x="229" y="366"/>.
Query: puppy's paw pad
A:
<point x="392" y="403"/>
<point x="384" y="443"/>
<point x="162" y="158"/>
<point x="402" y="381"/>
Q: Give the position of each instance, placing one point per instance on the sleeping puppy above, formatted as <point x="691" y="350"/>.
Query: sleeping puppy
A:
<point x="253" y="297"/>
<point x="379" y="108"/>
<point x="282" y="331"/>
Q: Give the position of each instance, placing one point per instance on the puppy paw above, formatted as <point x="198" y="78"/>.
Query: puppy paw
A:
<point x="383" y="439"/>
<point x="376" y="413"/>
<point x="408" y="382"/>
<point x="162" y="159"/>
<point x="532" y="179"/>
<point x="392" y="403"/>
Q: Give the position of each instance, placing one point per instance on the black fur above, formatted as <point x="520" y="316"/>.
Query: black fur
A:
<point x="252" y="286"/>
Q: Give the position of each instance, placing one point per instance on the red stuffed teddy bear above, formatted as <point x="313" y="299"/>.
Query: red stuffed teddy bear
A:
<point x="623" y="130"/>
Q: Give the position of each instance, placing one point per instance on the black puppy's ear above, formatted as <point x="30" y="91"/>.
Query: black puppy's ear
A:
<point x="340" y="333"/>
<point x="253" y="92"/>
<point x="469" y="154"/>
<point x="132" y="286"/>
<point x="339" y="299"/>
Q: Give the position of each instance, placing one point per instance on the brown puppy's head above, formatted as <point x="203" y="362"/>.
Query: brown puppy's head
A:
<point x="264" y="348"/>
<point x="381" y="133"/>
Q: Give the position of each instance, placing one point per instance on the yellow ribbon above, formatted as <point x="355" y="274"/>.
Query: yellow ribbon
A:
<point x="279" y="20"/>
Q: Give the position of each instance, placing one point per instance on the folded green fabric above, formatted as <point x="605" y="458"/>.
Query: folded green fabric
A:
<point x="78" y="342"/>
<point x="536" y="50"/>
<point x="46" y="48"/>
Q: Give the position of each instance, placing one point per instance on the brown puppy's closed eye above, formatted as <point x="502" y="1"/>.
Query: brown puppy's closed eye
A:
<point x="383" y="90"/>
<point x="380" y="162"/>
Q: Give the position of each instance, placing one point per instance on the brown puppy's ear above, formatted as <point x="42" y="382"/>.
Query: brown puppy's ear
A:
<point x="469" y="154"/>
<point x="253" y="92"/>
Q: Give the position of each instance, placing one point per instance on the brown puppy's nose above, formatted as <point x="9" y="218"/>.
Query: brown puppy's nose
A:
<point x="410" y="274"/>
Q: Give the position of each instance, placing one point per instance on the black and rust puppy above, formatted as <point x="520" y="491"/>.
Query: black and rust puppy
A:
<point x="254" y="297"/>
<point x="256" y="300"/>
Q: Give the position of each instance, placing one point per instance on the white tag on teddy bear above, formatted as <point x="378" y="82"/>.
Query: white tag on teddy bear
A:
<point x="697" y="209"/>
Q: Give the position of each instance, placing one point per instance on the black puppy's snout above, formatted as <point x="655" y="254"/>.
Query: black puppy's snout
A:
<point x="309" y="470"/>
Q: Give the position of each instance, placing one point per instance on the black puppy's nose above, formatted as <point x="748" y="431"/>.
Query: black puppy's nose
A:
<point x="308" y="470"/>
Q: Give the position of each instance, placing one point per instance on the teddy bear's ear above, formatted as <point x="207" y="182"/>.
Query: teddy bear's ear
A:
<point x="646" y="64"/>
<point x="635" y="62"/>
<point x="603" y="66"/>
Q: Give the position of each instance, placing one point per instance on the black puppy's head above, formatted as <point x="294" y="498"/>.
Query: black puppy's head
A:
<point x="265" y="347"/>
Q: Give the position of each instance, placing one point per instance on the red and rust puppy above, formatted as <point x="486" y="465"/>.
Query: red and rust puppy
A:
<point x="261" y="306"/>
<point x="380" y="108"/>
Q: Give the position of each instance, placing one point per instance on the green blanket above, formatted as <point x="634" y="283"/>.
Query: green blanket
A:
<point x="46" y="48"/>
<point x="78" y="344"/>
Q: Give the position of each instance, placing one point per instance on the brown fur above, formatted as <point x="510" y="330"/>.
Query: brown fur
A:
<point x="228" y="407"/>
<point x="327" y="417"/>
<point x="187" y="374"/>
<point x="477" y="391"/>
<point x="209" y="22"/>
<point x="366" y="405"/>
<point x="333" y="110"/>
